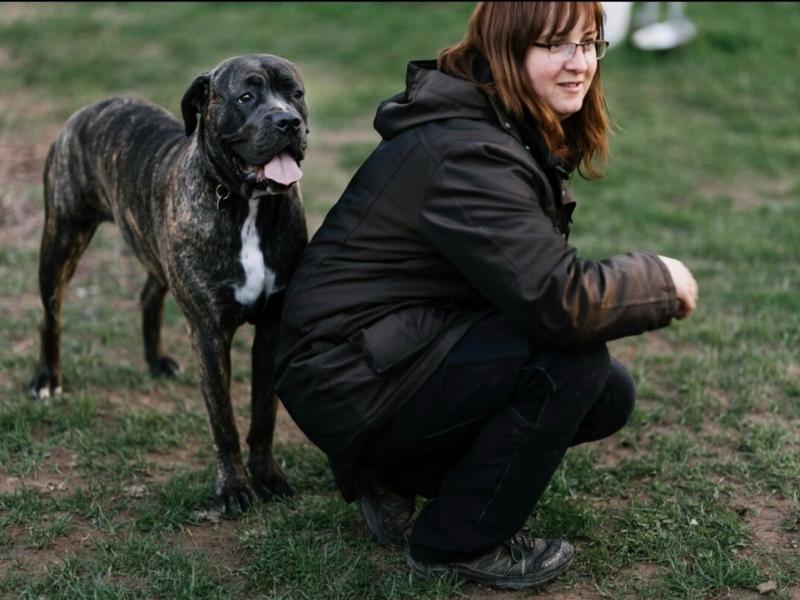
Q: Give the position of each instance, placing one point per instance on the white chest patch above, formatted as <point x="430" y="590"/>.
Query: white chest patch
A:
<point x="257" y="277"/>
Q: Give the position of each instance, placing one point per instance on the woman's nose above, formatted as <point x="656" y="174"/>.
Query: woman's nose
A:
<point x="578" y="61"/>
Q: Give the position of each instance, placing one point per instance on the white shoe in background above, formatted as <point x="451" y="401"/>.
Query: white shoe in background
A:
<point x="676" y="31"/>
<point x="664" y="36"/>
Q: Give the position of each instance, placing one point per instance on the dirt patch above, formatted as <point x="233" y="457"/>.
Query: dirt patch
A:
<point x="21" y="165"/>
<point x="162" y="466"/>
<point x="218" y="543"/>
<point x="5" y="58"/>
<point x="585" y="593"/>
<point x="655" y="343"/>
<point x="733" y="594"/>
<point x="363" y="133"/>
<point x="773" y="521"/>
<point x="25" y="11"/>
<point x="626" y="350"/>
<point x="200" y="453"/>
<point x="612" y="451"/>
<point x="31" y="123"/>
<point x="57" y="474"/>
<point x="21" y="558"/>
<point x="764" y="419"/>
<point x="155" y="400"/>
<point x="22" y="161"/>
<point x="748" y="193"/>
<point x="638" y="574"/>
<point x="645" y="571"/>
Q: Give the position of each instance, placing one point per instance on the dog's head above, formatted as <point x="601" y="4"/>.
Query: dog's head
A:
<point x="253" y="120"/>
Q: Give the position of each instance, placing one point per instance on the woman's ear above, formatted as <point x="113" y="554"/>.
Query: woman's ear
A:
<point x="195" y="101"/>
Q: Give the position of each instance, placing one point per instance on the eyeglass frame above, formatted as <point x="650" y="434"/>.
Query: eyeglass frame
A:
<point x="574" y="46"/>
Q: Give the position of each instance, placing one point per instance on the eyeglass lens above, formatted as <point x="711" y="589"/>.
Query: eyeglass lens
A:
<point x="566" y="51"/>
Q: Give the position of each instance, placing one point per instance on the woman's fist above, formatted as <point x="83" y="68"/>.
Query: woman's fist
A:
<point x="685" y="286"/>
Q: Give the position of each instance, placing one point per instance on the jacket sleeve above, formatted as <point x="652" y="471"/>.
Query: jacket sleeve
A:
<point x="482" y="212"/>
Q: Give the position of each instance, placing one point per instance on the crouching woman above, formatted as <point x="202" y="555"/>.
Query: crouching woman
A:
<point x="440" y="337"/>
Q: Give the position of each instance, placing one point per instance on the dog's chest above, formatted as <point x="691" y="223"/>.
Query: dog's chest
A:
<point x="258" y="277"/>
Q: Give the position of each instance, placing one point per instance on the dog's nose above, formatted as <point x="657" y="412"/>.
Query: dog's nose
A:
<point x="285" y="121"/>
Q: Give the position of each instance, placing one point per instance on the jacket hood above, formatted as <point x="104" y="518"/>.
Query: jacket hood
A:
<point x="430" y="96"/>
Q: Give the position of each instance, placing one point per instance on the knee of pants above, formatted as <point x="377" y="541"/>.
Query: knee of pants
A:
<point x="584" y="375"/>
<point x="596" y="365"/>
<point x="578" y="378"/>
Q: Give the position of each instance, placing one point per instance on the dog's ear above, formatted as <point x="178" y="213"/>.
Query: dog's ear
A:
<point x="195" y="101"/>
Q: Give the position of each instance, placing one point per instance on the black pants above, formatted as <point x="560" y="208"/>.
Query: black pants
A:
<point x="486" y="432"/>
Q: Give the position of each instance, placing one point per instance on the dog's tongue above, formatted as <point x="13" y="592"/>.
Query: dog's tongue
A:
<point x="283" y="169"/>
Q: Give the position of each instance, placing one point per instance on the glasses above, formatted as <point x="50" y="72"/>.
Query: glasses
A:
<point x="563" y="51"/>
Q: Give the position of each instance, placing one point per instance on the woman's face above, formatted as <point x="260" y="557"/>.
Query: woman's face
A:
<point x="562" y="85"/>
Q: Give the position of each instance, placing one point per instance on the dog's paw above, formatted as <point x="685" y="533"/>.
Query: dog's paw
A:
<point x="234" y="497"/>
<point x="269" y="481"/>
<point x="164" y="366"/>
<point x="44" y="385"/>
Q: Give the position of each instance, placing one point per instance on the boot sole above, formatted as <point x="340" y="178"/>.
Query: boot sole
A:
<point x="495" y="581"/>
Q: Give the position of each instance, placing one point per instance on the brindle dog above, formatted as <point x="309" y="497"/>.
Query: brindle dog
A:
<point x="213" y="210"/>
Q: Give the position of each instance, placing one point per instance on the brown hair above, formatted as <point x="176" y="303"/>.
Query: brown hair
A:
<point x="502" y="33"/>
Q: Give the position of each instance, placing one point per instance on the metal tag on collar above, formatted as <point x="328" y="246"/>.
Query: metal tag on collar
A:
<point x="223" y="193"/>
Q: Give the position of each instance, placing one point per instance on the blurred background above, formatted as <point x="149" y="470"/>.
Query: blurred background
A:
<point x="105" y="491"/>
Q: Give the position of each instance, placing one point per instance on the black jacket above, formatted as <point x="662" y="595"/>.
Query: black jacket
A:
<point x="456" y="214"/>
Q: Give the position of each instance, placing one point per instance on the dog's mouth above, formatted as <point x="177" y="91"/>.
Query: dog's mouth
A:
<point x="283" y="169"/>
<point x="277" y="175"/>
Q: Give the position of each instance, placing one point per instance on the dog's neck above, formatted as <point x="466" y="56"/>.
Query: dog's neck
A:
<point x="221" y="192"/>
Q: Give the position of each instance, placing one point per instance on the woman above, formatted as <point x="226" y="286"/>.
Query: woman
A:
<point x="440" y="337"/>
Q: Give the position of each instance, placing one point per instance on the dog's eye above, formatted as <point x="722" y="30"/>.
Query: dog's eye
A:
<point x="245" y="98"/>
<point x="297" y="94"/>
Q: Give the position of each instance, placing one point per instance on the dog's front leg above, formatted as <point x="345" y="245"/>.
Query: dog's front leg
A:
<point x="213" y="357"/>
<point x="268" y="478"/>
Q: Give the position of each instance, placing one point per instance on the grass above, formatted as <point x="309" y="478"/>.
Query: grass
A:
<point x="107" y="491"/>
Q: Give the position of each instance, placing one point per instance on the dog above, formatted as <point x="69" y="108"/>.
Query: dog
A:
<point x="212" y="208"/>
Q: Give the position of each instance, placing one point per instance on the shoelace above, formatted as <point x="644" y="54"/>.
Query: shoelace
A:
<point x="517" y="546"/>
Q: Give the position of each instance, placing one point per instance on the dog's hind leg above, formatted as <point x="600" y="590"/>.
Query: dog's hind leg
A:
<point x="152" y="300"/>
<point x="268" y="478"/>
<point x="63" y="242"/>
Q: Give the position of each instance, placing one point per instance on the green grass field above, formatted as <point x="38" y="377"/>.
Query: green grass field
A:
<point x="107" y="491"/>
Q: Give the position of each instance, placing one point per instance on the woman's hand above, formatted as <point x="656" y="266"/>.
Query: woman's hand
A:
<point x="685" y="286"/>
